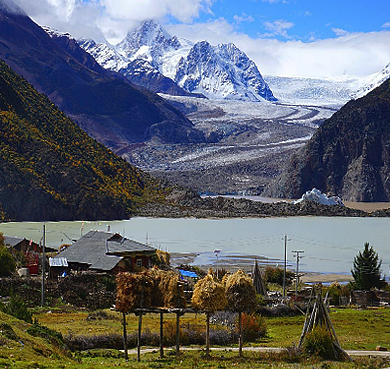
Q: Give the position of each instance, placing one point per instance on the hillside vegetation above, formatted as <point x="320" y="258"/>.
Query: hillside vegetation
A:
<point x="52" y="170"/>
<point x="348" y="156"/>
<point x="107" y="106"/>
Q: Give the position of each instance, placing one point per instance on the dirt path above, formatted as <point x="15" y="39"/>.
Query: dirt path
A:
<point x="258" y="349"/>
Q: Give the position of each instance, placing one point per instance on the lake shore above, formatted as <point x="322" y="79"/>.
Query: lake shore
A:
<point x="246" y="262"/>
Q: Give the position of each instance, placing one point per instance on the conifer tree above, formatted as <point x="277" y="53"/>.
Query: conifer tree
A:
<point x="366" y="269"/>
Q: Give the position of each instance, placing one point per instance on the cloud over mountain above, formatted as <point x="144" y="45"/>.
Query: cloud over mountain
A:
<point x="347" y="53"/>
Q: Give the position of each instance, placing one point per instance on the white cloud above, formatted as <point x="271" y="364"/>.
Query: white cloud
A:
<point x="279" y="27"/>
<point x="111" y="17"/>
<point x="183" y="10"/>
<point x="386" y="25"/>
<point x="243" y="18"/>
<point x="355" y="54"/>
<point x="275" y="1"/>
<point x="340" y="32"/>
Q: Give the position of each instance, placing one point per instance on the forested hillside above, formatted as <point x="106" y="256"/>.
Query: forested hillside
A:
<point x="52" y="170"/>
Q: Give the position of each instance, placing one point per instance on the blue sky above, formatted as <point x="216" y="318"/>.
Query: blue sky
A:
<point x="309" y="38"/>
<point x="305" y="20"/>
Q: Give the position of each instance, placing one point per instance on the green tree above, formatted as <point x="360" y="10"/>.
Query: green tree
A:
<point x="7" y="263"/>
<point x="366" y="269"/>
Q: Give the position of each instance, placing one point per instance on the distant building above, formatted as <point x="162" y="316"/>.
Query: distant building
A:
<point x="105" y="252"/>
<point x="22" y="244"/>
<point x="29" y="248"/>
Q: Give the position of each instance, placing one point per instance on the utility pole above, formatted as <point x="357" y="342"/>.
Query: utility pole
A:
<point x="285" y="265"/>
<point x="296" y="254"/>
<point x="216" y="252"/>
<point x="43" y="265"/>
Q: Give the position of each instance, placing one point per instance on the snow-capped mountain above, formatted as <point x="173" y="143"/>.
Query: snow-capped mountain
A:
<point x="373" y="81"/>
<point x="222" y="72"/>
<point x="148" y="42"/>
<point x="139" y="71"/>
<point x="104" y="54"/>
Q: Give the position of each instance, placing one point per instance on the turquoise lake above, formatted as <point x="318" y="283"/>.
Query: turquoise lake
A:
<point x="329" y="244"/>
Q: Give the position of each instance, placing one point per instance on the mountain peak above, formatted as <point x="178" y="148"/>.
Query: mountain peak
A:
<point x="148" y="41"/>
<point x="221" y="72"/>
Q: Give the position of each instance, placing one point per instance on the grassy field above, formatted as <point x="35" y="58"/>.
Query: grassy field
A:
<point x="191" y="360"/>
<point x="356" y="329"/>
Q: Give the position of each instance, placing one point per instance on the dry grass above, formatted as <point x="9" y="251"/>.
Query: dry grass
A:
<point x="209" y="294"/>
<point x="240" y="293"/>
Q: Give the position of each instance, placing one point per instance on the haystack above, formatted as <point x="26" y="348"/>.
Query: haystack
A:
<point x="164" y="257"/>
<point x="241" y="296"/>
<point x="319" y="317"/>
<point x="209" y="295"/>
<point x="133" y="291"/>
<point x="172" y="290"/>
<point x="240" y="293"/>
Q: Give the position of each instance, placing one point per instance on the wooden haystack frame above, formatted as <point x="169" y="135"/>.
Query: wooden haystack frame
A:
<point x="168" y="293"/>
<point x="241" y="297"/>
<point x="209" y="296"/>
<point x="317" y="316"/>
<point x="258" y="282"/>
<point x="151" y="290"/>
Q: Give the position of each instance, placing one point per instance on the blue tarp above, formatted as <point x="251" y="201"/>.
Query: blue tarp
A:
<point x="187" y="273"/>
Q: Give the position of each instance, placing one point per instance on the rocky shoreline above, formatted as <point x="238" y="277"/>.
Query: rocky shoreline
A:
<point x="186" y="203"/>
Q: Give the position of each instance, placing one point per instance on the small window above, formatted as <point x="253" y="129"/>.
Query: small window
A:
<point x="139" y="263"/>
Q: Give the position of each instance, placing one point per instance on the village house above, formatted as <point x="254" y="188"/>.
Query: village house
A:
<point x="28" y="248"/>
<point x="103" y="252"/>
<point x="21" y="244"/>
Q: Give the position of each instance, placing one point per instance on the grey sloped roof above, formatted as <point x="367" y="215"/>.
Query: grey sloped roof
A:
<point x="102" y="250"/>
<point x="125" y="246"/>
<point x="12" y="240"/>
<point x="106" y="262"/>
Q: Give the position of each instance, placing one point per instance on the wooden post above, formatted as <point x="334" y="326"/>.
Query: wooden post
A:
<point x="125" y="336"/>
<point x="43" y="266"/>
<point x="178" y="319"/>
<point x="285" y="266"/>
<point x="139" y="337"/>
<point x="161" y="334"/>
<point x="207" y="333"/>
<point x="140" y="328"/>
<point x="240" y="333"/>
<point x="177" y="332"/>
